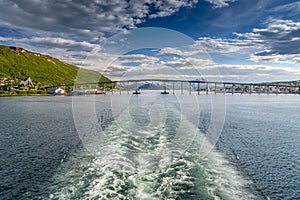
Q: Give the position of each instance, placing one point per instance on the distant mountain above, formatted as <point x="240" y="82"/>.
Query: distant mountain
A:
<point x="18" y="63"/>
<point x="151" y="86"/>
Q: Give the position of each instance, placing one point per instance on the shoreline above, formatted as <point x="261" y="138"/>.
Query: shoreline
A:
<point x="24" y="95"/>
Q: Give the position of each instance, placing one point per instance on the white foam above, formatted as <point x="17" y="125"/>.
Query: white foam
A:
<point x="147" y="169"/>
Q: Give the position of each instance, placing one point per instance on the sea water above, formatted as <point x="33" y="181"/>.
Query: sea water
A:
<point x="150" y="146"/>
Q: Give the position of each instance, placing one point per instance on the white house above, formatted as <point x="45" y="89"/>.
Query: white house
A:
<point x="59" y="91"/>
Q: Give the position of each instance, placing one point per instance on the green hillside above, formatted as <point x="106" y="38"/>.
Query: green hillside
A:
<point x="292" y="83"/>
<point x="18" y="63"/>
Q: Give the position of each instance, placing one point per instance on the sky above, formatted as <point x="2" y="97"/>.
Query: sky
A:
<point x="229" y="40"/>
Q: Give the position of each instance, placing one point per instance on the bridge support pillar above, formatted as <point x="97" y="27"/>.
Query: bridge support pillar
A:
<point x="206" y="88"/>
<point x="181" y="87"/>
<point x="215" y="88"/>
<point x="190" y="88"/>
<point x="232" y="85"/>
<point x="242" y="89"/>
<point x="285" y="90"/>
<point x="128" y="87"/>
<point x="137" y="86"/>
<point x="198" y="88"/>
<point x="173" y="88"/>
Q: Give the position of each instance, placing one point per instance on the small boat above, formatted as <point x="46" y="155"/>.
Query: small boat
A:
<point x="101" y="92"/>
<point x="136" y="92"/>
<point x="164" y="92"/>
<point x="165" y="89"/>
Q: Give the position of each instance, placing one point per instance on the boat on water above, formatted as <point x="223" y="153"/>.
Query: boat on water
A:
<point x="165" y="89"/>
<point x="136" y="92"/>
<point x="100" y="92"/>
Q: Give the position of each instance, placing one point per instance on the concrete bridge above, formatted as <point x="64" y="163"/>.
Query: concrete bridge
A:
<point x="173" y="86"/>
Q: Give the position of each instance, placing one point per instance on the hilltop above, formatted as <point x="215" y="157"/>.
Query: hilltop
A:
<point x="19" y="64"/>
<point x="292" y="83"/>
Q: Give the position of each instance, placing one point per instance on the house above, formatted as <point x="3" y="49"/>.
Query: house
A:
<point x="2" y="83"/>
<point x="57" y="91"/>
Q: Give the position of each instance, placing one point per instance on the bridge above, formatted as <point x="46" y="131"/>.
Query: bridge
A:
<point x="199" y="86"/>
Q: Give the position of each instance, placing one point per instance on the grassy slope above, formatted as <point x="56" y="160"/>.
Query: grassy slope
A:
<point x="293" y="83"/>
<point x="21" y="64"/>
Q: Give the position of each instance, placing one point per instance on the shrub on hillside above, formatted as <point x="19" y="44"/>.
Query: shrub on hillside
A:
<point x="21" y="92"/>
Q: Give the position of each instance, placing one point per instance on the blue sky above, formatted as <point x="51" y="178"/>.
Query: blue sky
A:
<point x="232" y="40"/>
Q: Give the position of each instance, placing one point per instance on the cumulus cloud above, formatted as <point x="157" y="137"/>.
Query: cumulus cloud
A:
<point x="68" y="50"/>
<point x="269" y="56"/>
<point x="280" y="41"/>
<point x="176" y="51"/>
<point x="277" y="43"/>
<point x="157" y="66"/>
<point x="258" y="73"/>
<point x="80" y="17"/>
<point x="141" y="58"/>
<point x="71" y="31"/>
<point x="53" y="42"/>
<point x="215" y="45"/>
<point x="221" y="45"/>
<point x="85" y="17"/>
<point x="282" y="36"/>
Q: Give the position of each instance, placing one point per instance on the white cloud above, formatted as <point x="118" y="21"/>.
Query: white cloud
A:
<point x="176" y="51"/>
<point x="280" y="36"/>
<point x="140" y="58"/>
<point x="220" y="45"/>
<point x="67" y="50"/>
<point x="220" y="3"/>
<point x="85" y="17"/>
<point x="72" y="30"/>
<point x="52" y="41"/>
<point x="88" y="18"/>
<point x="288" y="9"/>
<point x="279" y="42"/>
<point x="269" y="56"/>
<point x="156" y="67"/>
<point x="249" y="73"/>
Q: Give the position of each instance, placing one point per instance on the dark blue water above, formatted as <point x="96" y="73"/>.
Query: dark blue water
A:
<point x="42" y="156"/>
<point x="36" y="133"/>
<point x="264" y="132"/>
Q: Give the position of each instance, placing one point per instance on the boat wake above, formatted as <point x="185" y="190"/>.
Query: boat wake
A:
<point x="146" y="163"/>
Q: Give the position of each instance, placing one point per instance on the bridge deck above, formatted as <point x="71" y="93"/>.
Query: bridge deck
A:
<point x="176" y="81"/>
<point x="193" y="85"/>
